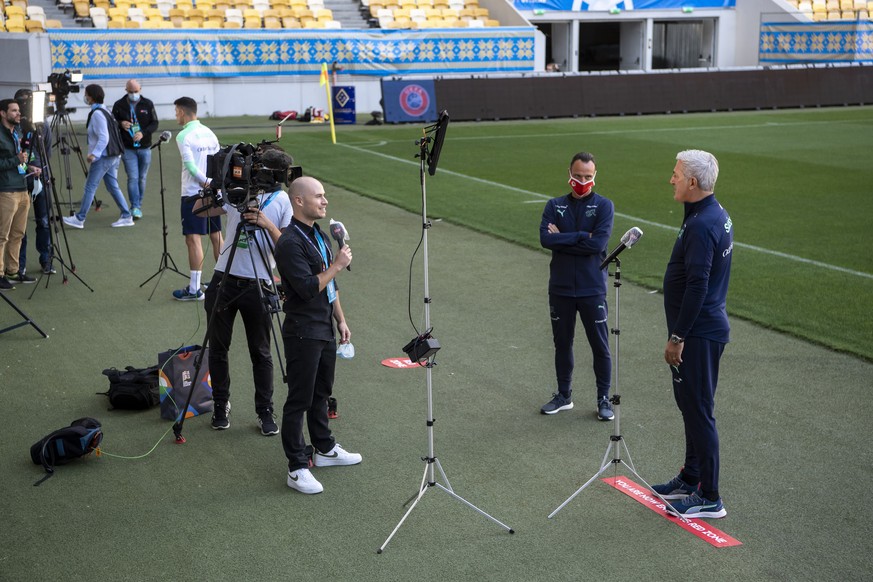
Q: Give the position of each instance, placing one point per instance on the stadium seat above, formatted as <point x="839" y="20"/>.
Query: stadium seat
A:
<point x="805" y="6"/>
<point x="53" y="23"/>
<point x="481" y="13"/>
<point x="136" y="14"/>
<point x="492" y="22"/>
<point x="424" y="3"/>
<point x="834" y="15"/>
<point x="261" y="5"/>
<point x="12" y="11"/>
<point x="36" y="13"/>
<point x="402" y="14"/>
<point x="452" y="13"/>
<point x="131" y="24"/>
<point x="475" y="23"/>
<point x="232" y="24"/>
<point x="98" y="17"/>
<point x="184" y="5"/>
<point x="164" y="6"/>
<point x="34" y="25"/>
<point x="313" y="24"/>
<point x="233" y="15"/>
<point x="152" y="23"/>
<point x="291" y="22"/>
<point x="82" y="10"/>
<point x="859" y="5"/>
<point x="279" y="4"/>
<point x="19" y="3"/>
<point x="847" y="15"/>
<point x="332" y="24"/>
<point x="417" y="14"/>
<point x="408" y="3"/>
<point x="104" y="4"/>
<point x="113" y="24"/>
<point x="15" y="24"/>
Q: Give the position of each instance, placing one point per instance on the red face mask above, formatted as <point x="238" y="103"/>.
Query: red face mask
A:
<point x="581" y="188"/>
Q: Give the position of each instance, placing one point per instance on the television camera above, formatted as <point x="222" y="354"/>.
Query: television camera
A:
<point x="240" y="172"/>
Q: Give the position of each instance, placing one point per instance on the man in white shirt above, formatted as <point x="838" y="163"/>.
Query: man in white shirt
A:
<point x="196" y="142"/>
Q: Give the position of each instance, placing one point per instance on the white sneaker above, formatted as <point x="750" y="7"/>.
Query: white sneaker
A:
<point x="336" y="456"/>
<point x="74" y="222"/>
<point x="123" y="222"/>
<point x="303" y="481"/>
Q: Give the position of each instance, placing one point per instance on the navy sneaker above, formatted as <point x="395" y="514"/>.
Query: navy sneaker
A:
<point x="556" y="404"/>
<point x="267" y="423"/>
<point x="676" y="488"/>
<point x="186" y="295"/>
<point x="604" y="409"/>
<point x="696" y="506"/>
<point x="20" y="277"/>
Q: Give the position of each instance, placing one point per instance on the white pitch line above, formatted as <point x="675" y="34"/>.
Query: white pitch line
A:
<point x="625" y="216"/>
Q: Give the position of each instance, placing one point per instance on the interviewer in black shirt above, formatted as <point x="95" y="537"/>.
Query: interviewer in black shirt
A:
<point x="312" y="305"/>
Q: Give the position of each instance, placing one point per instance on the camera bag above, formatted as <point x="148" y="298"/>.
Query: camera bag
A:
<point x="66" y="444"/>
<point x="132" y="388"/>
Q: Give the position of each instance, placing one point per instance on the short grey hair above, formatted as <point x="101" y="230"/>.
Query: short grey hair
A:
<point x="700" y="165"/>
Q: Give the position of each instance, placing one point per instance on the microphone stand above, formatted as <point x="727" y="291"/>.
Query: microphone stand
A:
<point x="166" y="259"/>
<point x="612" y="457"/>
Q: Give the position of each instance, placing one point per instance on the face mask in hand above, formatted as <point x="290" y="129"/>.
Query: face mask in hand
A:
<point x="581" y="188"/>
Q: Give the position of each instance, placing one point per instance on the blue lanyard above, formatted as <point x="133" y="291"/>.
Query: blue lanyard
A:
<point x="268" y="200"/>
<point x="320" y="248"/>
<point x="16" y="140"/>
<point x="132" y="113"/>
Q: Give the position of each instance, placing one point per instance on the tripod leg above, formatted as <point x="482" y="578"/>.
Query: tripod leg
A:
<point x="27" y="319"/>
<point x="421" y="491"/>
<point x="474" y="508"/>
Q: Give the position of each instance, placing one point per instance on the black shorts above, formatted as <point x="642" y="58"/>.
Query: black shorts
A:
<point x="197" y="224"/>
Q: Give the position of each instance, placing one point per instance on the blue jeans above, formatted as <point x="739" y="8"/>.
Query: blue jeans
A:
<point x="43" y="236"/>
<point x="106" y="168"/>
<point x="136" y="164"/>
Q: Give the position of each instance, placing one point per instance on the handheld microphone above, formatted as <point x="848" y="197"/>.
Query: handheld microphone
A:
<point x="165" y="137"/>
<point x="628" y="240"/>
<point x="340" y="235"/>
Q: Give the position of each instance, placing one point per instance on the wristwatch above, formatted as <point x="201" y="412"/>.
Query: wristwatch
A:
<point x="675" y="339"/>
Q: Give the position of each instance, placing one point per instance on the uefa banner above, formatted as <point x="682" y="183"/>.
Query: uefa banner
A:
<point x="406" y="101"/>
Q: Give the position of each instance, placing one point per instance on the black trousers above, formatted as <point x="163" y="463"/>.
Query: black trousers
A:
<point x="311" y="367"/>
<point x="239" y="296"/>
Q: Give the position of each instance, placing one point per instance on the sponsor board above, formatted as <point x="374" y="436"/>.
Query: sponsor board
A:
<point x="700" y="528"/>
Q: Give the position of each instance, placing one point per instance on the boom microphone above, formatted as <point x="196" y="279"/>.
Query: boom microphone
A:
<point x="629" y="239"/>
<point x="165" y="137"/>
<point x="340" y="235"/>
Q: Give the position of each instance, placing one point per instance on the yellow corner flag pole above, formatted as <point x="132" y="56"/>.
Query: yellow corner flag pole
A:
<point x="324" y="81"/>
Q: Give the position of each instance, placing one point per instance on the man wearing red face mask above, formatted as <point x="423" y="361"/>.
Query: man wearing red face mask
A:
<point x="576" y="227"/>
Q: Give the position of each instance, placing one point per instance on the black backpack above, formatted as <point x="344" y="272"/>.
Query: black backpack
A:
<point x="65" y="444"/>
<point x="132" y="388"/>
<point x="115" y="147"/>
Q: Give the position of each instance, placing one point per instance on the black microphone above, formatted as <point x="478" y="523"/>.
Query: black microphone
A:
<point x="340" y="235"/>
<point x="629" y="239"/>
<point x="165" y="136"/>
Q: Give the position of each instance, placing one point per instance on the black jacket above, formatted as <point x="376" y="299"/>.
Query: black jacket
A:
<point x="145" y="116"/>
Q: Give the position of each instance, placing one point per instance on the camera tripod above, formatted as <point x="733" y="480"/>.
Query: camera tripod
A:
<point x="167" y="261"/>
<point x="61" y="128"/>
<point x="613" y="455"/>
<point x="429" y="479"/>
<point x="269" y="300"/>
<point x="56" y="224"/>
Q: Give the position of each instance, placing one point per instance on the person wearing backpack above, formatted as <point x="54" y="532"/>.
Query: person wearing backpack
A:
<point x="104" y="154"/>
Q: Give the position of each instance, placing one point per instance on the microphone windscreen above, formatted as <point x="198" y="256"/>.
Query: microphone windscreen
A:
<point x="631" y="237"/>
<point x="166" y="135"/>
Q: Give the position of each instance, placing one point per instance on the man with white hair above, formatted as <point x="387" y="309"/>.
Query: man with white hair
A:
<point x="695" y="293"/>
<point x="312" y="306"/>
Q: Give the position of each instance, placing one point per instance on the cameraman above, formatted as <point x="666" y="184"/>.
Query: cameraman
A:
<point x="234" y="288"/>
<point x="40" y="201"/>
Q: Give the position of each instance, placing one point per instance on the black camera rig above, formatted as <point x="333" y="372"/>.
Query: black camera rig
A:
<point x="240" y="172"/>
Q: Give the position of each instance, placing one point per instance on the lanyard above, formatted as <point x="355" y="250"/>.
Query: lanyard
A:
<point x="16" y="140"/>
<point x="319" y="249"/>
<point x="268" y="200"/>
<point x="132" y="114"/>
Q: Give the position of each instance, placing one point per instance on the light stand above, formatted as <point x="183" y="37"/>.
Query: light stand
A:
<point x="424" y="347"/>
<point x="53" y="209"/>
<point x="612" y="457"/>
<point x="26" y="317"/>
<point x="166" y="259"/>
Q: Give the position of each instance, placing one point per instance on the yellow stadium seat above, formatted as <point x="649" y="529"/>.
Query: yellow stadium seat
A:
<point x="492" y="22"/>
<point x="34" y="26"/>
<point x="12" y="11"/>
<point x="291" y="22"/>
<point x="115" y="24"/>
<point x="19" y="3"/>
<point x="131" y="24"/>
<point x="272" y="23"/>
<point x="152" y="23"/>
<point x="323" y="14"/>
<point x="424" y="3"/>
<point x="481" y="13"/>
<point x="53" y="23"/>
<point x="313" y="24"/>
<point x="252" y="23"/>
